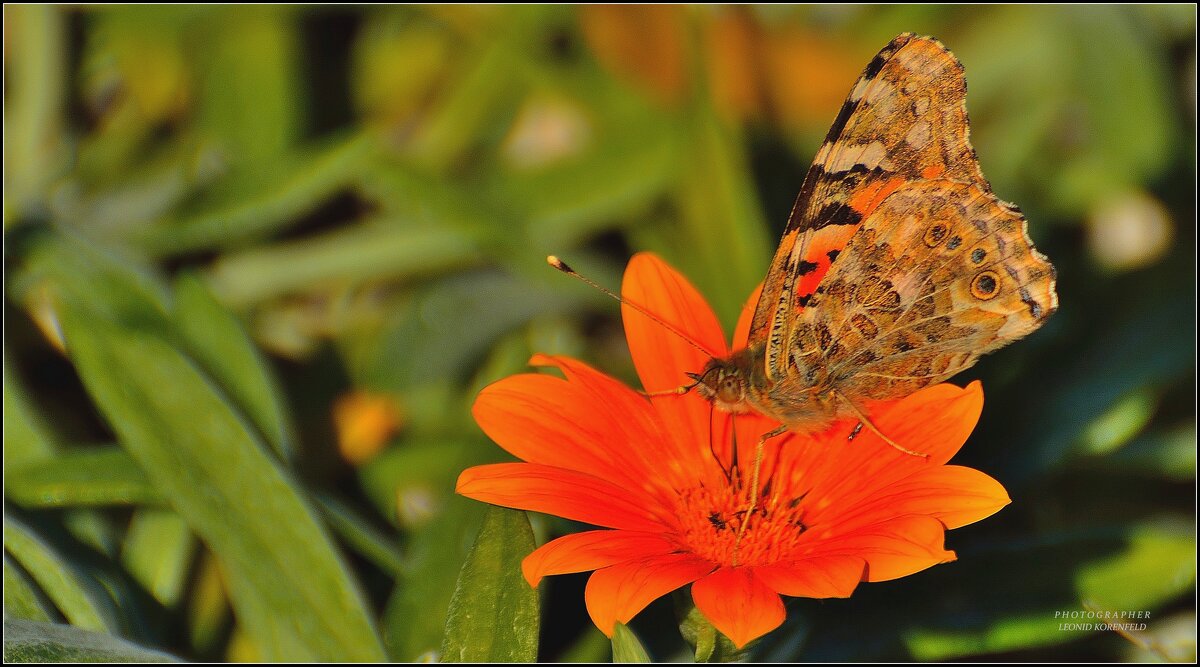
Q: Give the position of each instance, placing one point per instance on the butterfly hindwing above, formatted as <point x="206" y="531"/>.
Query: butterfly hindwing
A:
<point x="904" y="120"/>
<point x="938" y="274"/>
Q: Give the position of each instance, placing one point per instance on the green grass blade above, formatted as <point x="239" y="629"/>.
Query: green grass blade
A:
<point x="94" y="476"/>
<point x="78" y="597"/>
<point x="218" y="341"/>
<point x="21" y="599"/>
<point x="158" y="553"/>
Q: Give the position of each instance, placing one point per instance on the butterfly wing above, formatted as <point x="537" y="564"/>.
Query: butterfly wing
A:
<point x="904" y="120"/>
<point x="940" y="273"/>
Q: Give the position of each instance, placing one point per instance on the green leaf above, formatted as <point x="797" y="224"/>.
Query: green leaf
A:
<point x="591" y="646"/>
<point x="26" y="436"/>
<point x="487" y="92"/>
<point x="218" y="341"/>
<point x="77" y="596"/>
<point x="208" y="606"/>
<point x="1136" y="568"/>
<point x="111" y="280"/>
<point x="93" y="476"/>
<point x="1145" y="348"/>
<point x="1120" y="423"/>
<point x="1158" y="564"/>
<point x="570" y="203"/>
<point x="292" y="593"/>
<point x="35" y="93"/>
<point x="626" y="647"/>
<point x="21" y="598"/>
<point x="252" y="82"/>
<point x="708" y="642"/>
<point x="30" y="641"/>
<point x="493" y="615"/>
<point x="360" y="535"/>
<point x="415" y="619"/>
<point x="1170" y="453"/>
<point x="158" y="553"/>
<point x="452" y="322"/>
<point x="362" y="252"/>
<point x="272" y="199"/>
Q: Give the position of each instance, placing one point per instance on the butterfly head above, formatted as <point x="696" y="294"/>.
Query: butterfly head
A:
<point x="725" y="383"/>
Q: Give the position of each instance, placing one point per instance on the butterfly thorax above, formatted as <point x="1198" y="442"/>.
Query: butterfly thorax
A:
<point x="738" y="384"/>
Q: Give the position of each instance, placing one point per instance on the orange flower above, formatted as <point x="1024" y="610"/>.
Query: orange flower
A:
<point x="658" y="475"/>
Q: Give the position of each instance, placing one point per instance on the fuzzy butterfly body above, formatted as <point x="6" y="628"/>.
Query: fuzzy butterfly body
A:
<point x="898" y="267"/>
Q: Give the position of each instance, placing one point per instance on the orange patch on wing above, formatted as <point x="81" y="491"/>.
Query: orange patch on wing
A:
<point x="933" y="171"/>
<point x="872" y="195"/>
<point x="824" y="240"/>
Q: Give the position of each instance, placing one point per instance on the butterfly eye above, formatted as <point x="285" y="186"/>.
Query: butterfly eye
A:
<point x="935" y="235"/>
<point x="986" y="285"/>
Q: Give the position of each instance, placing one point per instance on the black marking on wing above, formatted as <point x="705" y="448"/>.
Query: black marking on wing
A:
<point x="839" y="214"/>
<point x="1035" y="308"/>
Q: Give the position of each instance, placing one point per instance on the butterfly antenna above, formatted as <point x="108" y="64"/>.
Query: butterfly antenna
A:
<point x="562" y="266"/>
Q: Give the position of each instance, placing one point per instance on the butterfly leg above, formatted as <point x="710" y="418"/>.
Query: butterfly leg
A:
<point x="862" y="418"/>
<point x="758" y="459"/>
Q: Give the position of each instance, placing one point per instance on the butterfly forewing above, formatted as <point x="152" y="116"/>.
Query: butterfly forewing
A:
<point x="904" y="120"/>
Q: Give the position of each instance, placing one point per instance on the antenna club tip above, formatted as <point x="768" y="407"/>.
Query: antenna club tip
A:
<point x="557" y="263"/>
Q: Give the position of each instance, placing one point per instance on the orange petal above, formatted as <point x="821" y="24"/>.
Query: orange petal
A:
<point x="820" y="577"/>
<point x="846" y="473"/>
<point x="892" y="549"/>
<point x="739" y="604"/>
<point x="616" y="594"/>
<point x="632" y="419"/>
<point x="544" y="419"/>
<point x="936" y="421"/>
<point x="663" y="357"/>
<point x="954" y="494"/>
<point x="591" y="550"/>
<point x="566" y="493"/>
<point x="742" y="332"/>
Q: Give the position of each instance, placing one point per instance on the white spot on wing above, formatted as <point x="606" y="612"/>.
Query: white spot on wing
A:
<point x="860" y="88"/>
<point x="919" y="135"/>
<point x="822" y="153"/>
<point x="880" y="91"/>
<point x="870" y="155"/>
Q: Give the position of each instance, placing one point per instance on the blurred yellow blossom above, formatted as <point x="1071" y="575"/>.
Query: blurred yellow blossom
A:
<point x="364" y="422"/>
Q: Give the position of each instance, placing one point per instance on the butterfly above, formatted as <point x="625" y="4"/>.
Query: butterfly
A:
<point x="898" y="267"/>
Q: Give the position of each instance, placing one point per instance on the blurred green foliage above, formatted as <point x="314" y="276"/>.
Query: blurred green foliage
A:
<point x="219" y="221"/>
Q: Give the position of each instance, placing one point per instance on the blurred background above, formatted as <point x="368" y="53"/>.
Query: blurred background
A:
<point x="286" y="246"/>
